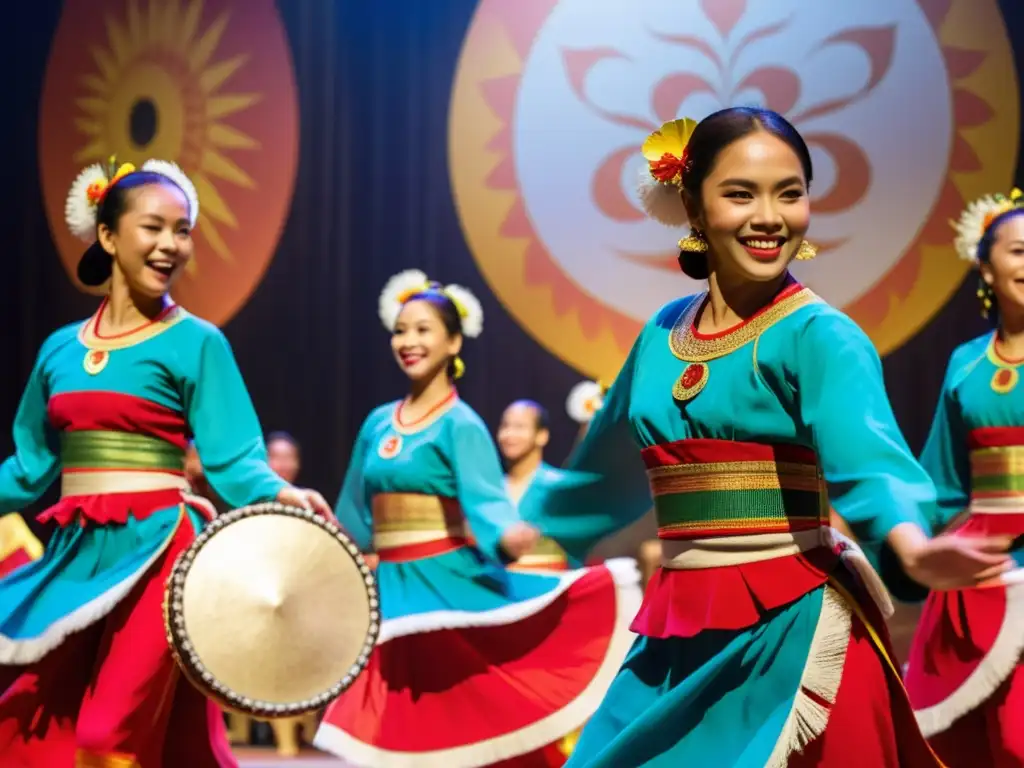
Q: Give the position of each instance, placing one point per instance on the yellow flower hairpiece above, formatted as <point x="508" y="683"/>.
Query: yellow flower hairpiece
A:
<point x="403" y="286"/>
<point x="665" y="151"/>
<point x="974" y="222"/>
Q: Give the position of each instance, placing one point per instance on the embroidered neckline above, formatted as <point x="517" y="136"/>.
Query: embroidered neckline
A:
<point x="689" y="346"/>
<point x="431" y="416"/>
<point x="89" y="336"/>
<point x="996" y="357"/>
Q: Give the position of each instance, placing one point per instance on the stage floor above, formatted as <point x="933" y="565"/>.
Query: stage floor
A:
<point x="249" y="757"/>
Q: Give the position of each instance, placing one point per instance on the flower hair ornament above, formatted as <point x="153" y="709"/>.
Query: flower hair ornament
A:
<point x="92" y="184"/>
<point x="403" y="286"/>
<point x="585" y="400"/>
<point x="974" y="222"/>
<point x="661" y="183"/>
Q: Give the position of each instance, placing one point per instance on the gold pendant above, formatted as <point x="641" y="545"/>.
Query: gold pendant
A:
<point x="95" y="361"/>
<point x="1004" y="380"/>
<point x="390" y="446"/>
<point x="692" y="380"/>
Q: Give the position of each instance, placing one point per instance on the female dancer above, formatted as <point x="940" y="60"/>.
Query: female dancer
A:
<point x="756" y="647"/>
<point x="475" y="664"/>
<point x="109" y="407"/>
<point x="964" y="674"/>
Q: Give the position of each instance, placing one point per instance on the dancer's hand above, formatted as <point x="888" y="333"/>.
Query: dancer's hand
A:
<point x="950" y="561"/>
<point x="304" y="498"/>
<point x="518" y="539"/>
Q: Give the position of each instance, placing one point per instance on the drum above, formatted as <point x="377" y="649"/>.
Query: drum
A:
<point x="272" y="612"/>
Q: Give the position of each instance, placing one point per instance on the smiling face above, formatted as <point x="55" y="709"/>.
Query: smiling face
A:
<point x="151" y="241"/>
<point x="520" y="432"/>
<point x="421" y="343"/>
<point x="754" y="208"/>
<point x="1004" y="269"/>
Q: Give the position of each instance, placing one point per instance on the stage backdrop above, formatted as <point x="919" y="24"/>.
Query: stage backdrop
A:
<point x="495" y="144"/>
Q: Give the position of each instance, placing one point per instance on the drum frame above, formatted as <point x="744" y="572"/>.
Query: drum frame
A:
<point x="189" y="661"/>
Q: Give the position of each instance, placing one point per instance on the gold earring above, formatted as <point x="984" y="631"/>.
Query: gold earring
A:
<point x="694" y="242"/>
<point x="459" y="368"/>
<point x="806" y="251"/>
<point x="985" y="297"/>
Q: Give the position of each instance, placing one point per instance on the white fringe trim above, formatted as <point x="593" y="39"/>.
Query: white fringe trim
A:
<point x="997" y="665"/>
<point x="822" y="675"/>
<point x="624" y="571"/>
<point x="555" y="726"/>
<point x="22" y="652"/>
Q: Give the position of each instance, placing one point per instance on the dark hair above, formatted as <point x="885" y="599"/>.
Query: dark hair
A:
<point x="712" y="135"/>
<point x="280" y="436"/>
<point x="984" y="252"/>
<point x="543" y="417"/>
<point x="446" y="311"/>
<point x="95" y="265"/>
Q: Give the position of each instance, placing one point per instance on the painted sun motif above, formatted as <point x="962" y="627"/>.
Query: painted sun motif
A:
<point x="552" y="101"/>
<point x="207" y="84"/>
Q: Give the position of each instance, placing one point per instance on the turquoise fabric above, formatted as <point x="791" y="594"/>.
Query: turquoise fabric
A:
<point x="453" y="457"/>
<point x="545" y="476"/>
<point x="79" y="566"/>
<point x="813" y="379"/>
<point x="718" y="699"/>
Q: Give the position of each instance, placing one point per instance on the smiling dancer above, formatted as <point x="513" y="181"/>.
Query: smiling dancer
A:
<point x="90" y="680"/>
<point x="964" y="673"/>
<point x="758" y="646"/>
<point x="476" y="664"/>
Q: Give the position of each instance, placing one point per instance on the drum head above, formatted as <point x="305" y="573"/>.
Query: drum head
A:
<point x="272" y="611"/>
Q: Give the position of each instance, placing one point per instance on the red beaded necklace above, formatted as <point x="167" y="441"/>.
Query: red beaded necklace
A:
<point x="398" y="412"/>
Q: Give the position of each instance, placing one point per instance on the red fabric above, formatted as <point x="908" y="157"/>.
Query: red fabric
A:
<point x="957" y="628"/>
<point x="419" y="551"/>
<point x="707" y="451"/>
<point x="113" y="689"/>
<point x="116" y="412"/>
<point x="683" y="603"/>
<point x="871" y="722"/>
<point x="995" y="437"/>
<point x="450" y="688"/>
<point x="105" y="508"/>
<point x="16" y="559"/>
<point x="989" y="736"/>
<point x="549" y="757"/>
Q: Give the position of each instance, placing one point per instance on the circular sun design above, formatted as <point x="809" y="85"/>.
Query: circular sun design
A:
<point x="512" y="61"/>
<point x="207" y="84"/>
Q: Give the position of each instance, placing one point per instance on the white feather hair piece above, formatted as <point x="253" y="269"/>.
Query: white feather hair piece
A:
<point x="470" y="309"/>
<point x="585" y="399"/>
<point x="662" y="202"/>
<point x="175" y="174"/>
<point x="395" y="290"/>
<point x="79" y="211"/>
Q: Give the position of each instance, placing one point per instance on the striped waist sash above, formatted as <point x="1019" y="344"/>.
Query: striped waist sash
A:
<point x="96" y="462"/>
<point x="721" y="502"/>
<point x="997" y="470"/>
<point x="411" y="525"/>
<point x="546" y="554"/>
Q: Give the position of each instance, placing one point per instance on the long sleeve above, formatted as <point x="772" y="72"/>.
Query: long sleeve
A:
<point x="604" y="487"/>
<point x="353" y="508"/>
<point x="35" y="464"/>
<point x="480" y="485"/>
<point x="227" y="432"/>
<point x="873" y="480"/>
<point x="945" y="456"/>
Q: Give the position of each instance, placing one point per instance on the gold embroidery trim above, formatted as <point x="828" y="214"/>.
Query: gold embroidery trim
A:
<point x="398" y="512"/>
<point x="734" y="476"/>
<point x="1006" y="460"/>
<point x="747" y="523"/>
<point x="692" y="349"/>
<point x="87" y="333"/>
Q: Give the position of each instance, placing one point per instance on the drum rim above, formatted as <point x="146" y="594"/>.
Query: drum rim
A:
<point x="192" y="665"/>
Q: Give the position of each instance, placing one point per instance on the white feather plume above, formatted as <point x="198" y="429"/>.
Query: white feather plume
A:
<point x="389" y="306"/>
<point x="585" y="399"/>
<point x="662" y="202"/>
<point x="79" y="211"/>
<point x="470" y="310"/>
<point x="175" y="174"/>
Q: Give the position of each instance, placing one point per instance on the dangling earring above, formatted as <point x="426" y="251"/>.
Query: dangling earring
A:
<point x="694" y="242"/>
<point x="458" y="368"/>
<point x="985" y="297"/>
<point x="806" y="251"/>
